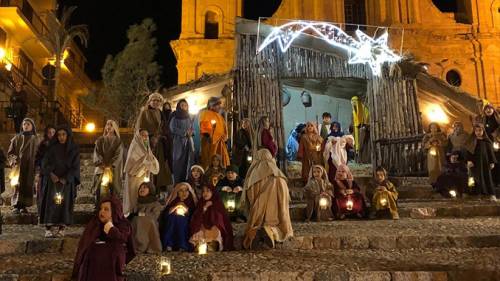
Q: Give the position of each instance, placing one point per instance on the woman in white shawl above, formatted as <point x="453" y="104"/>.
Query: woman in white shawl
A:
<point x="335" y="153"/>
<point x="266" y="197"/>
<point x="140" y="164"/>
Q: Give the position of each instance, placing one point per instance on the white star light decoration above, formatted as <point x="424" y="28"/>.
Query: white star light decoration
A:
<point x="366" y="49"/>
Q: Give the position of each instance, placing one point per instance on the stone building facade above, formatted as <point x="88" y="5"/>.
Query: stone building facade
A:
<point x="459" y="42"/>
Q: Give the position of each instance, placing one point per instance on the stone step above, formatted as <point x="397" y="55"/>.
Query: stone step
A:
<point x="361" y="265"/>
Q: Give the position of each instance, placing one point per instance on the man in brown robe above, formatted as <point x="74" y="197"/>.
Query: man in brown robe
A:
<point x="214" y="133"/>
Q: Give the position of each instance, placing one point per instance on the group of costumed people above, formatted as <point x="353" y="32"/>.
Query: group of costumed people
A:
<point x="465" y="164"/>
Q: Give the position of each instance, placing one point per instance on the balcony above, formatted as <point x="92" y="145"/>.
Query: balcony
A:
<point x="21" y="21"/>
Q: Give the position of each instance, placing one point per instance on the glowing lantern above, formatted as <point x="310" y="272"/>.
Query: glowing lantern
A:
<point x="323" y="203"/>
<point x="165" y="266"/>
<point x="435" y="113"/>
<point x="213" y="122"/>
<point x="249" y="158"/>
<point x="433" y="151"/>
<point x="471" y="182"/>
<point x="180" y="210"/>
<point x="58" y="198"/>
<point x="496" y="146"/>
<point x="383" y="202"/>
<point x="14" y="176"/>
<point x="202" y="247"/>
<point x="8" y="66"/>
<point x="318" y="147"/>
<point x="105" y="180"/>
<point x="146" y="179"/>
<point x="453" y="193"/>
<point x="231" y="205"/>
<point x="349" y="205"/>
<point x="90" y="127"/>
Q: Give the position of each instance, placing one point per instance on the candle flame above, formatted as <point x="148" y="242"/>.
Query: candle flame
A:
<point x="349" y="204"/>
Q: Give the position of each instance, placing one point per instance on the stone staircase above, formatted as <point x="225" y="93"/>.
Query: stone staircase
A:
<point x="458" y="240"/>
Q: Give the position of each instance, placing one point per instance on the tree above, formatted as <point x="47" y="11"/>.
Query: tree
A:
<point x="130" y="76"/>
<point x="58" y="38"/>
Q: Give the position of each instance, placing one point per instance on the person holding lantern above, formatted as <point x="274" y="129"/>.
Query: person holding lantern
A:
<point x="265" y="136"/>
<point x="106" y="245"/>
<point x="21" y="156"/>
<point x="214" y="131"/>
<point x="174" y="230"/>
<point x="108" y="162"/>
<point x="210" y="223"/>
<point x="266" y="198"/>
<point x="230" y="189"/>
<point x="349" y="201"/>
<point x="61" y="176"/>
<point x="145" y="220"/>
<point x="434" y="143"/>
<point x="181" y="130"/>
<point x="242" y="148"/>
<point x="319" y="194"/>
<point x="49" y="133"/>
<point x="385" y="196"/>
<point x="140" y="164"/>
<point x="453" y="181"/>
<point x="481" y="160"/>
<point x="310" y="150"/>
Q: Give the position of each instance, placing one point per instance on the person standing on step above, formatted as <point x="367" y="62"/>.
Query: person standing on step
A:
<point x="140" y="165"/>
<point x="214" y="133"/>
<point x="108" y="162"/>
<point x="481" y="160"/>
<point x="166" y="137"/>
<point x="181" y="129"/>
<point x="19" y="104"/>
<point x="458" y="138"/>
<point x="310" y="150"/>
<point x="434" y="143"/>
<point x="49" y="133"/>
<point x="265" y="136"/>
<point x="242" y="148"/>
<point x="491" y="121"/>
<point x="324" y="128"/>
<point x="266" y="198"/>
<point x="106" y="245"/>
<point x="61" y="176"/>
<point x="385" y="196"/>
<point x="21" y="156"/>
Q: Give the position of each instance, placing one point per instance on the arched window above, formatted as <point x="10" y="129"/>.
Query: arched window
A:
<point x="211" y="25"/>
<point x="453" y="78"/>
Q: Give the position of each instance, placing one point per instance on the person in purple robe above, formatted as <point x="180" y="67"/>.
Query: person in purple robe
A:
<point x="106" y="245"/>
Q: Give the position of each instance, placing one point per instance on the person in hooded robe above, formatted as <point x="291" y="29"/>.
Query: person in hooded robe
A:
<point x="145" y="222"/>
<point x="292" y="146"/>
<point x="166" y="137"/>
<point x="434" y="144"/>
<point x="197" y="179"/>
<point x="319" y="195"/>
<point x="458" y="138"/>
<point x="210" y="223"/>
<point x="140" y="165"/>
<point x="216" y="168"/>
<point x="21" y="156"/>
<point x="242" y="147"/>
<point x="349" y="201"/>
<point x="105" y="246"/>
<point x="481" y="160"/>
<point x="385" y="196"/>
<point x="491" y="120"/>
<point x="181" y="129"/>
<point x="48" y="135"/>
<point x="214" y="133"/>
<point x="336" y="130"/>
<point x="265" y="136"/>
<point x="310" y="150"/>
<point x="453" y="178"/>
<point x="230" y="189"/>
<point x="335" y="153"/>
<point x="175" y="218"/>
<point x="266" y="198"/>
<point x="108" y="162"/>
<point x="61" y="177"/>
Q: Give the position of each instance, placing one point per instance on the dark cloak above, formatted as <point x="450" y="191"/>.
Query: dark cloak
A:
<point x="108" y="152"/>
<point x="104" y="261"/>
<point x="64" y="161"/>
<point x="225" y="196"/>
<point x="182" y="144"/>
<point x="241" y="150"/>
<point x="215" y="215"/>
<point x="40" y="153"/>
<point x="481" y="153"/>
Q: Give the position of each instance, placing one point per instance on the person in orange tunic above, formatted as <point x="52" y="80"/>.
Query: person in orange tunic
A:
<point x="213" y="133"/>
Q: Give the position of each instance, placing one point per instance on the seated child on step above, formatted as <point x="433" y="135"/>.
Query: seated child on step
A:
<point x="386" y="195"/>
<point x="230" y="189"/>
<point x="145" y="221"/>
<point x="319" y="194"/>
<point x="453" y="180"/>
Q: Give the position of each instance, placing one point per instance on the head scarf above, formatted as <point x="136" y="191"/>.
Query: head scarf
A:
<point x="437" y="126"/>
<point x="198" y="167"/>
<point x="155" y="96"/>
<point x="70" y="145"/>
<point x="213" y="101"/>
<point x="33" y="131"/>
<point x="115" y="126"/>
<point x="215" y="215"/>
<point x="175" y="193"/>
<point x="324" y="175"/>
<point x="95" y="227"/>
<point x="471" y="143"/>
<point x="179" y="113"/>
<point x="212" y="160"/>
<point x="381" y="169"/>
<point x="151" y="197"/>
<point x="140" y="158"/>
<point x="263" y="166"/>
<point x="260" y="128"/>
<point x="346" y="169"/>
<point x="339" y="133"/>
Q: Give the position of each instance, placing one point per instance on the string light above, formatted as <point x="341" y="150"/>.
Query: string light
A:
<point x="365" y="49"/>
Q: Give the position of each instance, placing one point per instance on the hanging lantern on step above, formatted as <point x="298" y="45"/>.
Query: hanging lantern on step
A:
<point x="58" y="198"/>
<point x="165" y="266"/>
<point x="202" y="247"/>
<point x="306" y="99"/>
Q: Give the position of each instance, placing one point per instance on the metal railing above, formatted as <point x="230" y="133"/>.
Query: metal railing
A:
<point x="28" y="12"/>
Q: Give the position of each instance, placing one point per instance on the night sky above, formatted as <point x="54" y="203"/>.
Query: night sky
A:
<point x="108" y="21"/>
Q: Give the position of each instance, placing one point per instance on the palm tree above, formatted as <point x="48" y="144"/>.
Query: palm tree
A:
<point x="58" y="38"/>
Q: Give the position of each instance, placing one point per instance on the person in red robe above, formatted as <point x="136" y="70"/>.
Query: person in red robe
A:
<point x="211" y="223"/>
<point x="265" y="136"/>
<point x="106" y="245"/>
<point x="349" y="201"/>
